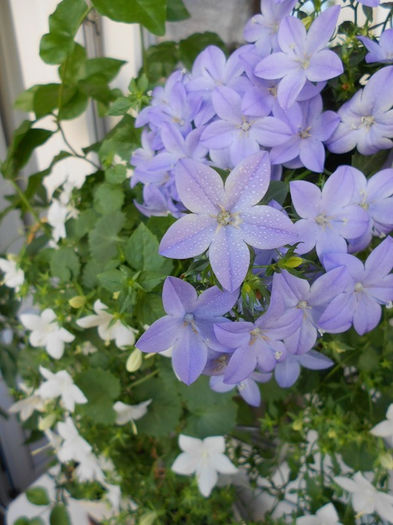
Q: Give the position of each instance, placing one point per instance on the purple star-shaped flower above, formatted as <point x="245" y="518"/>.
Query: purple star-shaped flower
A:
<point x="287" y="372"/>
<point x="367" y="118"/>
<point x="329" y="216"/>
<point x="303" y="56"/>
<point x="187" y="327"/>
<point x="248" y="388"/>
<point x="371" y="287"/>
<point x="225" y="219"/>
<point x="307" y="303"/>
<point x="307" y="129"/>
<point x="381" y="51"/>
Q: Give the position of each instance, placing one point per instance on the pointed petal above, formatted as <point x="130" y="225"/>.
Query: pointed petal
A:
<point x="178" y="297"/>
<point x="306" y="198"/>
<point x="185" y="464"/>
<point x="222" y="464"/>
<point x="189" y="444"/>
<point x="233" y="335"/>
<point x="207" y="478"/>
<point x="383" y="429"/>
<point x="219" y="134"/>
<point x="338" y="315"/>
<point x="275" y="66"/>
<point x="322" y="29"/>
<point x="380" y="261"/>
<point x="241" y="365"/>
<point x="291" y="35"/>
<point x="315" y="361"/>
<point x="189" y="356"/>
<point x="160" y="335"/>
<point x="329" y="285"/>
<point x="88" y="321"/>
<point x="200" y="188"/>
<point x="229" y="257"/>
<point x="249" y="390"/>
<point x="188" y="237"/>
<point x="324" y="65"/>
<point x="271" y="131"/>
<point x="287" y="372"/>
<point x="303" y="339"/>
<point x="265" y="227"/>
<point x="367" y="314"/>
<point x="214" y="302"/>
<point x="312" y="154"/>
<point x="289" y="87"/>
<point x="227" y="104"/>
<point x="248" y="182"/>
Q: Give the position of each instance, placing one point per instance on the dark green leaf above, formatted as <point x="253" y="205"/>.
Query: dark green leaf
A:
<point x="59" y="515"/>
<point x="176" y="10"/>
<point x="149" y="280"/>
<point x="93" y="268"/>
<point x="24" y="141"/>
<point x="191" y="47"/>
<point x="369" y="360"/>
<point x="359" y="456"/>
<point x="141" y="252"/>
<point x="278" y="191"/>
<point x="159" y="225"/>
<point x="22" y="521"/>
<point x="108" y="198"/>
<point x="74" y="106"/>
<point x="103" y="69"/>
<point x="149" y="308"/>
<point x="160" y="60"/>
<point x="36" y="521"/>
<point x="74" y="68"/>
<point x="120" y="107"/>
<point x="103" y="239"/>
<point x="101" y="388"/>
<point x="120" y="140"/>
<point x="369" y="164"/>
<point x="164" y="411"/>
<point x="55" y="47"/>
<point x="116" y="174"/>
<point x="37" y="496"/>
<point x="80" y="226"/>
<point x="64" y="263"/>
<point x="150" y="13"/>
<point x="8" y="363"/>
<point x="112" y="280"/>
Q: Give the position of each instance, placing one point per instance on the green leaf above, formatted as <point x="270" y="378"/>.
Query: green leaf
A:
<point x="190" y="47"/>
<point x="120" y="107"/>
<point x="369" y="164"/>
<point x="36" y="521"/>
<point x="59" y="515"/>
<point x="103" y="239"/>
<point x="149" y="308"/>
<point x="101" y="388"/>
<point x="210" y="413"/>
<point x="120" y="140"/>
<point x="369" y="360"/>
<point x="64" y="263"/>
<point x="24" y="101"/>
<point x="149" y="280"/>
<point x="22" y="521"/>
<point x="93" y="268"/>
<point x="74" y="68"/>
<point x="37" y="496"/>
<point x="86" y="220"/>
<point x="278" y="191"/>
<point x="149" y="13"/>
<point x="160" y="60"/>
<point x="141" y="252"/>
<point x="164" y="411"/>
<point x="24" y="141"/>
<point x="116" y="174"/>
<point x="8" y="363"/>
<point x="63" y="25"/>
<point x="48" y="96"/>
<point x="159" y="225"/>
<point x="359" y="456"/>
<point x="176" y="10"/>
<point x="74" y="106"/>
<point x="112" y="280"/>
<point x="108" y="198"/>
<point x="103" y="69"/>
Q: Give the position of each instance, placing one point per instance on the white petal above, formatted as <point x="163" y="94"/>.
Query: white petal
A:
<point x="123" y="335"/>
<point x="328" y="514"/>
<point x="214" y="444"/>
<point x="346" y="483"/>
<point x="54" y="346"/>
<point x="88" y="321"/>
<point x="207" y="478"/>
<point x="185" y="464"/>
<point x="383" y="429"/>
<point x="389" y="413"/>
<point x="189" y="444"/>
<point x="30" y="321"/>
<point x="222" y="464"/>
<point x="49" y="389"/>
<point x="384" y="507"/>
<point x="65" y="335"/>
<point x="140" y="410"/>
<point x="47" y="374"/>
<point x="48" y="315"/>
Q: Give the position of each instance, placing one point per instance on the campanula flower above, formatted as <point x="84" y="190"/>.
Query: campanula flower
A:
<point x="381" y="51"/>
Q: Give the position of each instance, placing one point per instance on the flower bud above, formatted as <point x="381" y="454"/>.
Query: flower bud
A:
<point x="78" y="301"/>
<point x="134" y="361"/>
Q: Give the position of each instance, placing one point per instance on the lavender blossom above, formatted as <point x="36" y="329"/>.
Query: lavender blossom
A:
<point x="329" y="216"/>
<point x="287" y="372"/>
<point x="248" y="388"/>
<point x="367" y="118"/>
<point x="188" y="326"/>
<point x="303" y="56"/>
<point x="371" y="286"/>
<point x="381" y="51"/>
<point x="224" y="219"/>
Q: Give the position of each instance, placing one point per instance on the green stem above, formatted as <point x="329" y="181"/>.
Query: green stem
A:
<point x="143" y="379"/>
<point x="22" y="197"/>
<point x="72" y="149"/>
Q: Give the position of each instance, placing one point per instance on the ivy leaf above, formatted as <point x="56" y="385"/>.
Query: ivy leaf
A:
<point x="141" y="252"/>
<point x="210" y="413"/>
<point x="108" y="198"/>
<point x="74" y="106"/>
<point x="190" y="47"/>
<point x="103" y="238"/>
<point x="24" y="141"/>
<point x="176" y="10"/>
<point x="149" y="13"/>
<point x="164" y="411"/>
<point x="121" y="139"/>
<point x="59" y="515"/>
<point x="149" y="280"/>
<point x="64" y="263"/>
<point x="63" y="25"/>
<point x="37" y="496"/>
<point x="101" y="388"/>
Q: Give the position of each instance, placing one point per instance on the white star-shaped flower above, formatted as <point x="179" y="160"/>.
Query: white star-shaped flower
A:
<point x="89" y="469"/>
<point x="126" y="413"/>
<point x="25" y="407"/>
<point x="385" y="428"/>
<point x="366" y="499"/>
<point x="108" y="329"/>
<point x="74" y="447"/>
<point x="61" y="385"/>
<point x="46" y="332"/>
<point x="205" y="457"/>
<point x="326" y="515"/>
<point x="13" y="276"/>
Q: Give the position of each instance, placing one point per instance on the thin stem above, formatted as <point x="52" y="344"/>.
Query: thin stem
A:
<point x="143" y="379"/>
<point x="72" y="149"/>
<point x="24" y="200"/>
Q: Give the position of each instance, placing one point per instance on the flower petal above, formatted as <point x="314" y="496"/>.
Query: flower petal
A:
<point x="178" y="297"/>
<point x="160" y="335"/>
<point x="189" y="356"/>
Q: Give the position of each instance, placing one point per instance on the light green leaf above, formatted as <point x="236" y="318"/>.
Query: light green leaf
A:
<point x="54" y="48"/>
<point x="24" y="101"/>
<point x="116" y="174"/>
<point x="101" y="389"/>
<point x="93" y="268"/>
<point x="59" y="515"/>
<point x="149" y="308"/>
<point x="37" y="496"/>
<point x="108" y="198"/>
<point x="75" y="67"/>
<point x="22" y="521"/>
<point x="150" y="13"/>
<point x="112" y="280"/>
<point x="74" y="106"/>
<point x="103" y="239"/>
<point x="81" y="225"/>
<point x="141" y="252"/>
<point x="120" y="140"/>
<point x="176" y="10"/>
<point x="120" y="107"/>
<point x="64" y="263"/>
<point x="103" y="69"/>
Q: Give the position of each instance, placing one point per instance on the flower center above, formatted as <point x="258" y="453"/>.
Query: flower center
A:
<point x="255" y="334"/>
<point x="226" y="218"/>
<point x="189" y="320"/>
<point x="305" y="133"/>
<point x="367" y="121"/>
<point x="302" y="305"/>
<point x="277" y="355"/>
<point x="359" y="287"/>
<point x="322" y="220"/>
